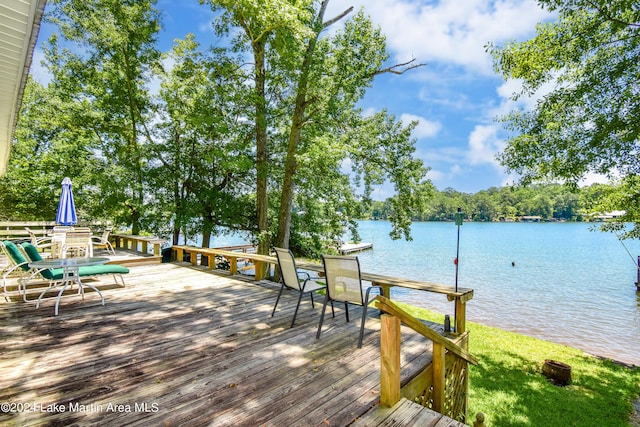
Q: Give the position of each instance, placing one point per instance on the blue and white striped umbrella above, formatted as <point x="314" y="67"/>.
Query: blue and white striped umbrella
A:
<point x="66" y="214"/>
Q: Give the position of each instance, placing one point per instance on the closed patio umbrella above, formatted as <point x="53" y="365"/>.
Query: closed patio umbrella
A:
<point x="66" y="214"/>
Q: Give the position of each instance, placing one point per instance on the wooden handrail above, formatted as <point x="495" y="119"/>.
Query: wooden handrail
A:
<point x="443" y="383"/>
<point x="461" y="296"/>
<point x="128" y="240"/>
<point x="386" y="305"/>
<point x="233" y="256"/>
<point x="15" y="229"/>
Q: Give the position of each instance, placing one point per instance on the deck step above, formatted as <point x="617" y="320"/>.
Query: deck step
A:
<point x="405" y="413"/>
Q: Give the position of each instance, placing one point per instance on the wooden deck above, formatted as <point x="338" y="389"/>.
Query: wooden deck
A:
<point x="183" y="346"/>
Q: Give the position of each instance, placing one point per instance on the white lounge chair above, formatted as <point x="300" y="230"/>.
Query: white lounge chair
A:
<point x="103" y="241"/>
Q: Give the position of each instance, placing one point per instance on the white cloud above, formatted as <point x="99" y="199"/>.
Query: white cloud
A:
<point x="424" y="129"/>
<point x="512" y="86"/>
<point x="450" y="31"/>
<point x="484" y="143"/>
<point x="595" y="178"/>
<point x="435" y="175"/>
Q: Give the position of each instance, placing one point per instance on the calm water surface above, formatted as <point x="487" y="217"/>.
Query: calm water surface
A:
<point x="567" y="284"/>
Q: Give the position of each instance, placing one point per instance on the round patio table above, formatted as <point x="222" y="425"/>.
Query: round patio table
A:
<point x="70" y="275"/>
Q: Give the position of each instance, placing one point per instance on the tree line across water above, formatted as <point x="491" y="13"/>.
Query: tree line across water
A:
<point x="550" y="202"/>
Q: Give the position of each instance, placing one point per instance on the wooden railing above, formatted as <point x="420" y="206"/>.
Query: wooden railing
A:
<point x="460" y="297"/>
<point x="137" y="243"/>
<point x="443" y="385"/>
<point x="259" y="261"/>
<point x="15" y="229"/>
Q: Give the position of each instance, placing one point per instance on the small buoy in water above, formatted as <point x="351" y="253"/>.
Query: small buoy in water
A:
<point x="513" y="263"/>
<point x="455" y="261"/>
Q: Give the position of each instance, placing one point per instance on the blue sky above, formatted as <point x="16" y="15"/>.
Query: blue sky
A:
<point x="455" y="97"/>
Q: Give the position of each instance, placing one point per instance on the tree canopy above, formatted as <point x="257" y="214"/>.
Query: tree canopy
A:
<point x="260" y="132"/>
<point x="588" y="121"/>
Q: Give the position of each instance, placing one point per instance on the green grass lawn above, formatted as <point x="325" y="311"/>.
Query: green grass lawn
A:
<point x="508" y="386"/>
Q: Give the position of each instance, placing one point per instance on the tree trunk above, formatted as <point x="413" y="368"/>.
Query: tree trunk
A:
<point x="261" y="147"/>
<point x="297" y="121"/>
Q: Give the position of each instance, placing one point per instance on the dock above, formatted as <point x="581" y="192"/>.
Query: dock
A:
<point x="182" y="345"/>
<point x="349" y="248"/>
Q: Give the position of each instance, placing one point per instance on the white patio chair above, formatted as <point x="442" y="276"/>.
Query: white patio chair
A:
<point x="43" y="242"/>
<point x="19" y="266"/>
<point x="78" y="243"/>
<point x="103" y="241"/>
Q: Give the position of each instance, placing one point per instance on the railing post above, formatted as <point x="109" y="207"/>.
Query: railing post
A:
<point x="389" y="360"/>
<point x="461" y="316"/>
<point x="179" y="254"/>
<point x="233" y="265"/>
<point x="439" y="370"/>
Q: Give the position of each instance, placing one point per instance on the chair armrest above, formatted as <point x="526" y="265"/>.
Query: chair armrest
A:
<point x="13" y="268"/>
<point x="303" y="273"/>
<point x="44" y="242"/>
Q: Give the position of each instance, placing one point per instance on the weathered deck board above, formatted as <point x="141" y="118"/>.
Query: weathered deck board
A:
<point x="198" y="348"/>
<point x="405" y="413"/>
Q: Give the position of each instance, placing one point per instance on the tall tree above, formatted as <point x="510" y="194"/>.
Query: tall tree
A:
<point x="110" y="69"/>
<point x="48" y="147"/>
<point x="589" y="121"/>
<point x="331" y="75"/>
<point x="263" y="24"/>
<point x="309" y="96"/>
<point x="203" y="147"/>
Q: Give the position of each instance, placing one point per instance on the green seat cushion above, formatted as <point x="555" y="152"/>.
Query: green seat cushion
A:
<point x="32" y="252"/>
<point x="96" y="270"/>
<point x="54" y="274"/>
<point x="57" y="273"/>
<point x="16" y="255"/>
<point x="48" y="273"/>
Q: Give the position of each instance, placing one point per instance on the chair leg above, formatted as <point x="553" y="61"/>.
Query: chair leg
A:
<point x="295" y="313"/>
<point x="4" y="288"/>
<point x="324" y="306"/>
<point x="346" y="310"/>
<point x="364" y="319"/>
<point x="311" y="295"/>
<point x="365" y="306"/>
<point x="278" y="299"/>
<point x="115" y="278"/>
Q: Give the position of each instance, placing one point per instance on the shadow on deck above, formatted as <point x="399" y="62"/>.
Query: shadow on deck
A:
<point x="180" y="345"/>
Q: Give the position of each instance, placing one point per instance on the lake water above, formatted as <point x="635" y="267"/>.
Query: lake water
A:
<point x="556" y="281"/>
